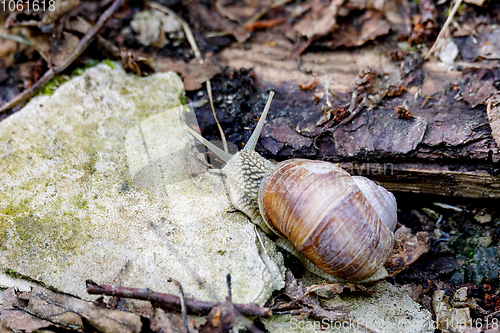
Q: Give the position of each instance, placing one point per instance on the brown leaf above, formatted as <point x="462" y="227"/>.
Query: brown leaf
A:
<point x="7" y="47"/>
<point x="52" y="50"/>
<point x="242" y="11"/>
<point x="63" y="47"/>
<point x="212" y="20"/>
<point x="317" y="24"/>
<point x="407" y="249"/>
<point x="68" y="311"/>
<point x="140" y="66"/>
<point x="313" y="27"/>
<point x="40" y="41"/>
<point x="359" y="30"/>
<point x="193" y="73"/>
<point x="61" y="7"/>
<point x="79" y="24"/>
<point x="20" y="321"/>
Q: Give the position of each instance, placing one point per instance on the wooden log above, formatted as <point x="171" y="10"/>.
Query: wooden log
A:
<point x="429" y="179"/>
<point x="445" y="148"/>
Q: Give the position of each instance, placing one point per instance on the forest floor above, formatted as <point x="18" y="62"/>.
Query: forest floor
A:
<point x="403" y="92"/>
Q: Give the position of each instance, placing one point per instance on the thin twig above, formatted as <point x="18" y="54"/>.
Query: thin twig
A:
<point x="49" y="75"/>
<point x="197" y="55"/>
<point x="444" y="29"/>
<point x="170" y="302"/>
<point x="183" y="303"/>
<point x="211" y="99"/>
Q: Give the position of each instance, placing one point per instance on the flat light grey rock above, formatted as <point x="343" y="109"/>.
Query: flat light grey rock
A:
<point x="389" y="310"/>
<point x="94" y="184"/>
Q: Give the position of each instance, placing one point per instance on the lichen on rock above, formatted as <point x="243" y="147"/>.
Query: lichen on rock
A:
<point x="93" y="185"/>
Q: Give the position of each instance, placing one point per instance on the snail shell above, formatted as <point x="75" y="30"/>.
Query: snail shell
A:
<point x="328" y="218"/>
<point x="340" y="224"/>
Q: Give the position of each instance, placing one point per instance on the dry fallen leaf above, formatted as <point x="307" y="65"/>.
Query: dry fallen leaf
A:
<point x="140" y="66"/>
<point x="407" y="249"/>
<point x="20" y="321"/>
<point x="313" y="27"/>
<point x="358" y="30"/>
<point x="71" y="312"/>
<point x="13" y="320"/>
<point x="63" y="47"/>
<point x="193" y="73"/>
<point x="242" y="12"/>
<point x="486" y="44"/>
<point x="213" y="21"/>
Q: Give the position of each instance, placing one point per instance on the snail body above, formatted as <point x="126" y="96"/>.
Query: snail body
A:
<point x="339" y="226"/>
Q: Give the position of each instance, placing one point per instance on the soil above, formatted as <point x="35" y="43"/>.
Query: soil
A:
<point x="440" y="110"/>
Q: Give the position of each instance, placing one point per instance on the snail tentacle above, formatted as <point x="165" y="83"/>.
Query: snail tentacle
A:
<point x="216" y="150"/>
<point x="252" y="142"/>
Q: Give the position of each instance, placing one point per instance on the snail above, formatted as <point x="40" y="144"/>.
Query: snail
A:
<point x="339" y="226"/>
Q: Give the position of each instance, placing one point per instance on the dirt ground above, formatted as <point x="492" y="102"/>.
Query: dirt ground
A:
<point x="357" y="82"/>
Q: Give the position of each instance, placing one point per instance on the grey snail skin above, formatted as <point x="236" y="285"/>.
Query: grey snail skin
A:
<point x="339" y="226"/>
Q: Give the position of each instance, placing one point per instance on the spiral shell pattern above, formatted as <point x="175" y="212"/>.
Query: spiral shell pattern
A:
<point x="328" y="217"/>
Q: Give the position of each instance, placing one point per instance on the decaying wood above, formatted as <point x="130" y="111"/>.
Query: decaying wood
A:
<point x="445" y="147"/>
<point x="430" y="178"/>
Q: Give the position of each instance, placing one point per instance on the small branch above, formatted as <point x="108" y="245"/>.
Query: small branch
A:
<point x="170" y="302"/>
<point x="211" y="99"/>
<point x="49" y="75"/>
<point x="443" y="29"/>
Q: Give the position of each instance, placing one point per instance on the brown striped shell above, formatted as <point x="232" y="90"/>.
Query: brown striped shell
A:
<point x="342" y="224"/>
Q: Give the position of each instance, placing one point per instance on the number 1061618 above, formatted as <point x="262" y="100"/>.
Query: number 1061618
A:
<point x="33" y="5"/>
